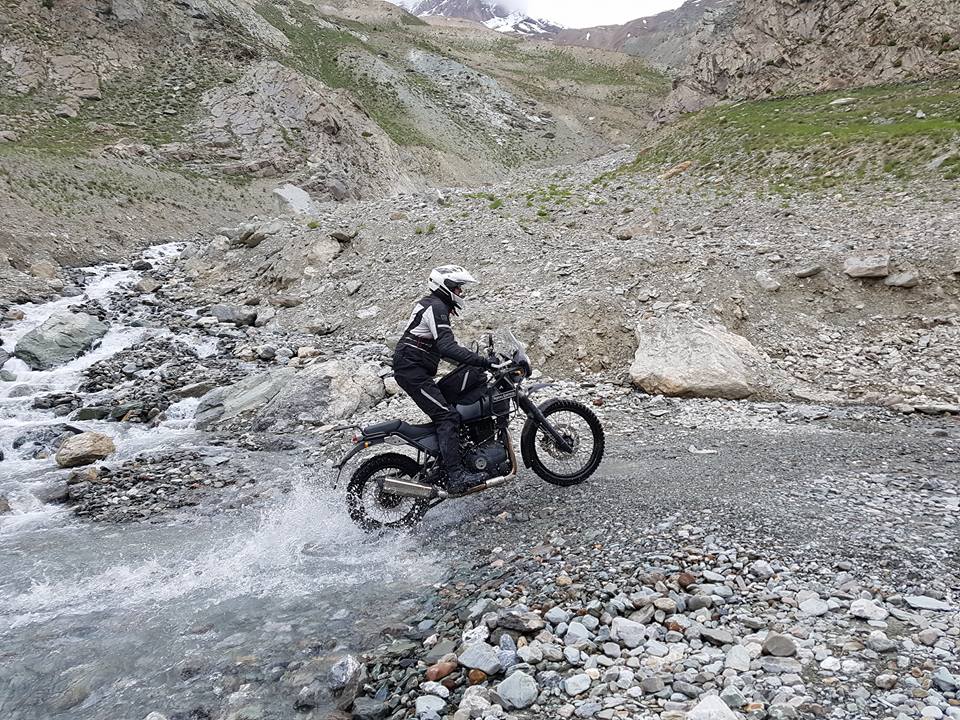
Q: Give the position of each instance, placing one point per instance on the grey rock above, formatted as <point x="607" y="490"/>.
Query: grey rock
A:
<point x="576" y="684"/>
<point x="84" y="448"/>
<point x="557" y="615"/>
<point x="867" y="266"/>
<point x="518" y="691"/>
<point x="652" y="685"/>
<point x="879" y="642"/>
<point x="680" y="358"/>
<point x="867" y="610"/>
<point x="526" y="622"/>
<point x="738" y="658"/>
<point x="906" y="279"/>
<point x="429" y="704"/>
<point x="780" y="665"/>
<point x="779" y="645"/>
<point x="732" y="697"/>
<point x="343" y="672"/>
<point x="782" y="711"/>
<point x="64" y="336"/>
<point x="365" y="708"/>
<point x="481" y="656"/>
<point x="922" y="602"/>
<point x="767" y="282"/>
<point x="711" y="708"/>
<point x="814" y="607"/>
<point x="808" y="271"/>
<point x="627" y="632"/>
<point x="945" y="680"/>
<point x="717" y="636"/>
<point x="761" y="569"/>
<point x="234" y="314"/>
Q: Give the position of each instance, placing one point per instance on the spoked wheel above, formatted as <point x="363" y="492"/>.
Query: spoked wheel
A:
<point x="373" y="509"/>
<point x="580" y="428"/>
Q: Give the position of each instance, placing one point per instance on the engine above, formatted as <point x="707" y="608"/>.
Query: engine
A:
<point x="490" y="458"/>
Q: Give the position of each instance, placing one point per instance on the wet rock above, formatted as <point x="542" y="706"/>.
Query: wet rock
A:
<point x="85" y="448"/>
<point x="4" y="503"/>
<point x="64" y="336"/>
<point x="867" y="266"/>
<point x="680" y="358"/>
<point x="343" y="672"/>
<point x="147" y="286"/>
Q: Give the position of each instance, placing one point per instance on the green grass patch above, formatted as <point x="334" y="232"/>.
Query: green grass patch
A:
<point x="803" y="143"/>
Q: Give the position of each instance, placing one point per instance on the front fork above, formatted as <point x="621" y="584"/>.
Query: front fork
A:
<point x="531" y="409"/>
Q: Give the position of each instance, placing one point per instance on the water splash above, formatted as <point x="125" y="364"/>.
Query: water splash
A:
<point x="305" y="544"/>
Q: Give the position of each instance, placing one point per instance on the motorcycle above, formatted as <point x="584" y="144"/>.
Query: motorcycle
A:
<point x="562" y="441"/>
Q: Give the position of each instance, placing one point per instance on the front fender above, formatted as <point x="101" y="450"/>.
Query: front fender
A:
<point x="355" y="450"/>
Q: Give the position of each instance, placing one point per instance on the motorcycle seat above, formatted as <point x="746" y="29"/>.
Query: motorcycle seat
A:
<point x="398" y="427"/>
<point x="416" y="432"/>
<point x="385" y="428"/>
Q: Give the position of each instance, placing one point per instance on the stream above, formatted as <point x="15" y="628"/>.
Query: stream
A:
<point x="221" y="614"/>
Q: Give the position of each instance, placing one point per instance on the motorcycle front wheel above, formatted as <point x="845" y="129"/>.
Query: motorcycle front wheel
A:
<point x="579" y="427"/>
<point x="370" y="507"/>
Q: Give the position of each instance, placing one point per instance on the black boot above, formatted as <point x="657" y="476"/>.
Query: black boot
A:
<point x="459" y="481"/>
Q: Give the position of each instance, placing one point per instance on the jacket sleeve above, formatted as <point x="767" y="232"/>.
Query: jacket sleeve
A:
<point x="449" y="347"/>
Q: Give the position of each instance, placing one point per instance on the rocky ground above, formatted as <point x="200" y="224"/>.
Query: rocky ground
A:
<point x="796" y="560"/>
<point x="806" y="568"/>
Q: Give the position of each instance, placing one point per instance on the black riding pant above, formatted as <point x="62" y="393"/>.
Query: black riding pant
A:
<point x="439" y="400"/>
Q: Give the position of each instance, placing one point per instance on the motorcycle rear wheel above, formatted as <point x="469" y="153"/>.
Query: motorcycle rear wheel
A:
<point x="578" y="425"/>
<point x="370" y="507"/>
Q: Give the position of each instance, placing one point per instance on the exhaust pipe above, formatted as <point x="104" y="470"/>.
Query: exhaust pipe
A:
<point x="404" y="488"/>
<point x="392" y="486"/>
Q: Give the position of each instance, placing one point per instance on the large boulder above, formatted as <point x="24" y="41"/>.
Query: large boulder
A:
<point x="85" y="448"/>
<point x="328" y="391"/>
<point x="64" y="336"/>
<point x="688" y="359"/>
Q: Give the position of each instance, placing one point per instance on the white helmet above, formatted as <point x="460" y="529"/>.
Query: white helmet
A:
<point x="449" y="282"/>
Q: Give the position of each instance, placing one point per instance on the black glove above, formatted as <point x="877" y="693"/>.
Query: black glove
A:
<point x="489" y="361"/>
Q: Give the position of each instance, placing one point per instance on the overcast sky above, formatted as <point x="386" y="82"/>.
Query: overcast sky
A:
<point x="583" y="13"/>
<point x="586" y="13"/>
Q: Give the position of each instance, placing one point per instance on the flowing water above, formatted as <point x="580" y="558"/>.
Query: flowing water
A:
<point x="194" y="616"/>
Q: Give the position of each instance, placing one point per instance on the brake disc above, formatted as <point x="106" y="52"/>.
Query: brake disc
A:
<point x="567" y="433"/>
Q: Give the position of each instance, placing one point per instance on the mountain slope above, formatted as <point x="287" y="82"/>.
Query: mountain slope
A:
<point x="766" y="48"/>
<point x="494" y="15"/>
<point x="664" y="39"/>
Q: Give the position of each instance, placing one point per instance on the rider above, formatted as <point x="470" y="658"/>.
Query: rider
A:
<point x="428" y="339"/>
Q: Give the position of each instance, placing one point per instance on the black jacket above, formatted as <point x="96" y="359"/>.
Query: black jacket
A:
<point x="429" y="338"/>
